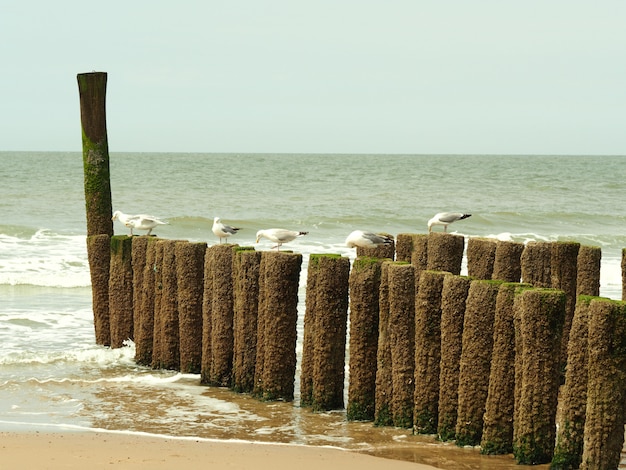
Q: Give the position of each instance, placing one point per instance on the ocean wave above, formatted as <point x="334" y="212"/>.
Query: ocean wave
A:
<point x="44" y="258"/>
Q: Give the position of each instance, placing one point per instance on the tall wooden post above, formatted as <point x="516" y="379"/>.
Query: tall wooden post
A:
<point x="92" y="94"/>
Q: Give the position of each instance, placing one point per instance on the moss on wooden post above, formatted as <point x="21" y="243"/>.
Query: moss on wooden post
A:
<point x="308" y="341"/>
<point x="445" y="252"/>
<point x="541" y="314"/>
<point x="207" y="321"/>
<point x="507" y="265"/>
<point x="476" y="360"/>
<point x="481" y="255"/>
<point x="121" y="291"/>
<point x="623" y="273"/>
<point x="190" y="282"/>
<point x="606" y="388"/>
<point x="246" y="271"/>
<point x="364" y="287"/>
<point x="497" y="435"/>
<point x="331" y="319"/>
<point x="569" y="439"/>
<point x="99" y="256"/>
<point x="453" y="296"/>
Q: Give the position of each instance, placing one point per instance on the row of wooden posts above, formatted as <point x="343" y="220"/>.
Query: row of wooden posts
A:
<point x="477" y="358"/>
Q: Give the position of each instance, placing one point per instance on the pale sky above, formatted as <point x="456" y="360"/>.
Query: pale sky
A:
<point x="320" y="76"/>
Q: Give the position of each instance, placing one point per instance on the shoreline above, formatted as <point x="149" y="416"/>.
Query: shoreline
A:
<point x="101" y="449"/>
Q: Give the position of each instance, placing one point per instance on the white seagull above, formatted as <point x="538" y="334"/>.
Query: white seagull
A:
<point x="222" y="230"/>
<point x="362" y="239"/>
<point x="139" y="222"/>
<point x="445" y="219"/>
<point x="278" y="235"/>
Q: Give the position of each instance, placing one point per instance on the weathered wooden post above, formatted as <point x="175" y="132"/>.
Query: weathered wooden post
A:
<point x="402" y="341"/>
<point x="144" y="309"/>
<point x="329" y="331"/>
<point x="445" y="252"/>
<point x="121" y="291"/>
<point x="588" y="280"/>
<point x="92" y="94"/>
<point x="623" y="273"/>
<point x="541" y="314"/>
<point x="383" y="251"/>
<point x="569" y="440"/>
<point x="427" y="351"/>
<point x="606" y="389"/>
<point x="99" y="256"/>
<point x="476" y="360"/>
<point x="563" y="269"/>
<point x="139" y="247"/>
<point x="166" y="321"/>
<point x="536" y="264"/>
<point x="222" y="313"/>
<point x="207" y="320"/>
<point x="384" y="385"/>
<point x="278" y="316"/>
<point x="497" y="435"/>
<point x="507" y="265"/>
<point x="246" y="271"/>
<point x="419" y="255"/>
<point x="157" y="337"/>
<point x="308" y="341"/>
<point x="453" y="296"/>
<point x="190" y="282"/>
<point x="364" y="287"/>
<point x="481" y="255"/>
<point x="406" y="243"/>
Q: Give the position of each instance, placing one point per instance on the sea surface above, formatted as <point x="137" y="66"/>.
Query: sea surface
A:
<point x="53" y="377"/>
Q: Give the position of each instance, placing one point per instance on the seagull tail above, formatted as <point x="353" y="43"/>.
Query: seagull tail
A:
<point x="465" y="216"/>
<point x="302" y="233"/>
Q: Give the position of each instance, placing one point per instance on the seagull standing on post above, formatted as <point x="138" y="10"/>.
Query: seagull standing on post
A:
<point x="138" y="222"/>
<point x="222" y="230"/>
<point x="362" y="239"/>
<point x="278" y="236"/>
<point x="445" y="219"/>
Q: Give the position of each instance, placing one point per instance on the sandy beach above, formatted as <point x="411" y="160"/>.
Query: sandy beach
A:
<point x="98" y="450"/>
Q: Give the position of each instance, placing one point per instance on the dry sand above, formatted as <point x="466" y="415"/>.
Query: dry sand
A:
<point x="87" y="450"/>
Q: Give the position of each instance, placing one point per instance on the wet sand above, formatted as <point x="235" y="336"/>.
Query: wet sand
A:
<point x="96" y="450"/>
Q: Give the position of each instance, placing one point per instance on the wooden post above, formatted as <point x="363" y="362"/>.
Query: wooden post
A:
<point x="588" y="280"/>
<point x="606" y="389"/>
<point x="569" y="440"/>
<point x="498" y="419"/>
<point x="445" y="252"/>
<point x="121" y="291"/>
<point x="190" y="283"/>
<point x="92" y="94"/>
<point x="144" y="309"/>
<point x="507" y="265"/>
<point x="541" y="314"/>
<point x="364" y="284"/>
<point x="384" y="386"/>
<point x="476" y="360"/>
<point x="331" y="321"/>
<point x="246" y="271"/>
<point x="99" y="255"/>
<point x="453" y="296"/>
<point x="536" y="264"/>
<point x="278" y="299"/>
<point x="402" y="341"/>
<point x="427" y="351"/>
<point x="481" y="255"/>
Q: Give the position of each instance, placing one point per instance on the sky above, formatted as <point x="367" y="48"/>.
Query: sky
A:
<point x="322" y="76"/>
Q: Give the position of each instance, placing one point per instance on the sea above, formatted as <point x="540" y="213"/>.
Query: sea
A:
<point x="54" y="378"/>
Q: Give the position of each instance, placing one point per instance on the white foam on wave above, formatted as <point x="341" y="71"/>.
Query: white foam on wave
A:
<point x="44" y="259"/>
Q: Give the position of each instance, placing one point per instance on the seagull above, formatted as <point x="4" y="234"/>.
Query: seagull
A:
<point x="362" y="239"/>
<point x="445" y="219"/>
<point x="278" y="235"/>
<point x="139" y="222"/>
<point x="222" y="230"/>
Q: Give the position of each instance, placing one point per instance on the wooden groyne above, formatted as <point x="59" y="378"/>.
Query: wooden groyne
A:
<point x="479" y="359"/>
